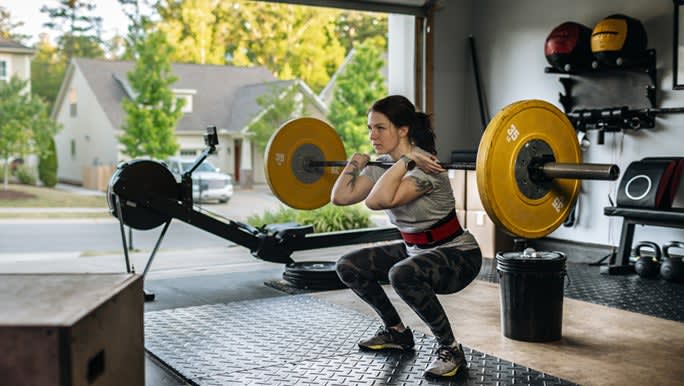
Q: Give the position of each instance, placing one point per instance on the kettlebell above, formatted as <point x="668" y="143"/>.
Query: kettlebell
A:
<point x="672" y="266"/>
<point x="647" y="266"/>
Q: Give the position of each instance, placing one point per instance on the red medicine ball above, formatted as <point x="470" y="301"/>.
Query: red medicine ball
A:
<point x="568" y="47"/>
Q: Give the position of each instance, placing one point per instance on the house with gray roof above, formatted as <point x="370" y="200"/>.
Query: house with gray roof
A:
<point x="15" y="60"/>
<point x="89" y="106"/>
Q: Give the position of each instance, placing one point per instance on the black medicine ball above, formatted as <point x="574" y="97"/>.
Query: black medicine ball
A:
<point x="568" y="47"/>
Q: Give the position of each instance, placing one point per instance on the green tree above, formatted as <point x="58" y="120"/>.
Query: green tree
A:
<point x="352" y="27"/>
<point x="356" y="88"/>
<point x="117" y="48"/>
<point x="292" y="41"/>
<point x="80" y="30"/>
<point x="47" y="71"/>
<point x="25" y="126"/>
<point x="138" y="25"/>
<point x="8" y="27"/>
<point x="47" y="165"/>
<point x="79" y="37"/>
<point x="191" y="27"/>
<point x="152" y="115"/>
<point x="278" y="106"/>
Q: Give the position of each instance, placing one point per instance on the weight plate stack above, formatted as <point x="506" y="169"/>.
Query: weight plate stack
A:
<point x="313" y="275"/>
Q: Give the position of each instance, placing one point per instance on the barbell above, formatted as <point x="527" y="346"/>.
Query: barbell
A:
<point x="528" y="166"/>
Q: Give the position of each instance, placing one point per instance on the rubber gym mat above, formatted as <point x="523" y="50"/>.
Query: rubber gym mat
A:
<point x="300" y="339"/>
<point x="654" y="297"/>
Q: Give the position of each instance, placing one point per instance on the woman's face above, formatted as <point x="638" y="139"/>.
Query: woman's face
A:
<point x="383" y="135"/>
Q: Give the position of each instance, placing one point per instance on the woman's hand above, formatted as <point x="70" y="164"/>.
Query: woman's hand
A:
<point x="359" y="160"/>
<point x="426" y="162"/>
<point x="351" y="187"/>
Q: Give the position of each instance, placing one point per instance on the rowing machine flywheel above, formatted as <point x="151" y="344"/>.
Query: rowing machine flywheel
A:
<point x="135" y="184"/>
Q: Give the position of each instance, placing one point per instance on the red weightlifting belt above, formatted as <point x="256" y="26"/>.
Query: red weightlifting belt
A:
<point x="447" y="228"/>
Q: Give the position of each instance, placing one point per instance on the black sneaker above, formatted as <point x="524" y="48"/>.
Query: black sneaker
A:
<point x="449" y="360"/>
<point x="388" y="338"/>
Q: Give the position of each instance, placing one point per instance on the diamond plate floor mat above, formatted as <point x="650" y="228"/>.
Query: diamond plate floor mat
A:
<point x="301" y="340"/>
<point x="657" y="298"/>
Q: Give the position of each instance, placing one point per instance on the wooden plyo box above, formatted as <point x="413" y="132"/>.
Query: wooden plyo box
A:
<point x="71" y="329"/>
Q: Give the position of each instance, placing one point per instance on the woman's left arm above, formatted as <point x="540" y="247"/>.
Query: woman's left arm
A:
<point x="395" y="188"/>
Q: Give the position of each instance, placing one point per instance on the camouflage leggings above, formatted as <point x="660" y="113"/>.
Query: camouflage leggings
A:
<point x="416" y="277"/>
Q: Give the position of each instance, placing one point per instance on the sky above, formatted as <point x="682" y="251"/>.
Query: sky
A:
<point x="28" y="11"/>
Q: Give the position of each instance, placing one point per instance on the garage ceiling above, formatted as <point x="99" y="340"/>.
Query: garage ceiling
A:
<point x="408" y="7"/>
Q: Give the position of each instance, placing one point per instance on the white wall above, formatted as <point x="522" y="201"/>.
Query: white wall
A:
<point x="453" y="84"/>
<point x="510" y="39"/>
<point x="95" y="139"/>
<point x="21" y="66"/>
<point x="195" y="141"/>
<point x="401" y="66"/>
<point x="18" y="65"/>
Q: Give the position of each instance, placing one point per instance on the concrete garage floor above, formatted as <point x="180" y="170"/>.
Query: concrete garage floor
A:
<point x="600" y="345"/>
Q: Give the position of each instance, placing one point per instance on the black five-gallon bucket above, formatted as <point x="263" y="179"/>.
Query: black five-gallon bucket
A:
<point x="531" y="285"/>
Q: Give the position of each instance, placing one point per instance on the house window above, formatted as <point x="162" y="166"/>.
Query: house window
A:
<point x="3" y="70"/>
<point x="73" y="149"/>
<point x="188" y="153"/>
<point x="187" y="106"/>
<point x="186" y="95"/>
<point x="72" y="102"/>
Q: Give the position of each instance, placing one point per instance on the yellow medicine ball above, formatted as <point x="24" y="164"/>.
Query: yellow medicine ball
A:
<point x="618" y="39"/>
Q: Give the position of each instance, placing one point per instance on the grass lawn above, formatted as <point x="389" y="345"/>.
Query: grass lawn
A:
<point x="26" y="196"/>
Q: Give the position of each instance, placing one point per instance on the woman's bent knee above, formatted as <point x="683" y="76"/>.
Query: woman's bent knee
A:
<point x="401" y="274"/>
<point x="347" y="270"/>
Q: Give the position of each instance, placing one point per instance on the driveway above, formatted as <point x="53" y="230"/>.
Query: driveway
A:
<point x="246" y="203"/>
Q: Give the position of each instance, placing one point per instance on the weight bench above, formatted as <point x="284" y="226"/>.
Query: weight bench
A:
<point x="619" y="263"/>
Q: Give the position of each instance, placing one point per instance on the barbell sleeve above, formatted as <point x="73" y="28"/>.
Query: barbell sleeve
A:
<point x="580" y="171"/>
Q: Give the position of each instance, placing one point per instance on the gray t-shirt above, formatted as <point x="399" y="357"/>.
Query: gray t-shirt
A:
<point x="421" y="213"/>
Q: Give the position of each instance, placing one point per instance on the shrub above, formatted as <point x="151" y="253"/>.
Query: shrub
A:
<point x="47" y="165"/>
<point x="332" y="218"/>
<point x="280" y="216"/>
<point x="329" y="218"/>
<point x="11" y="176"/>
<point x="25" y="175"/>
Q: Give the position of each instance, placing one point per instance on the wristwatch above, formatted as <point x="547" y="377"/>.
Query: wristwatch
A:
<point x="410" y="164"/>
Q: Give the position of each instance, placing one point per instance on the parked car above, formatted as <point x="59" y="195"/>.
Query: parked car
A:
<point x="208" y="183"/>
